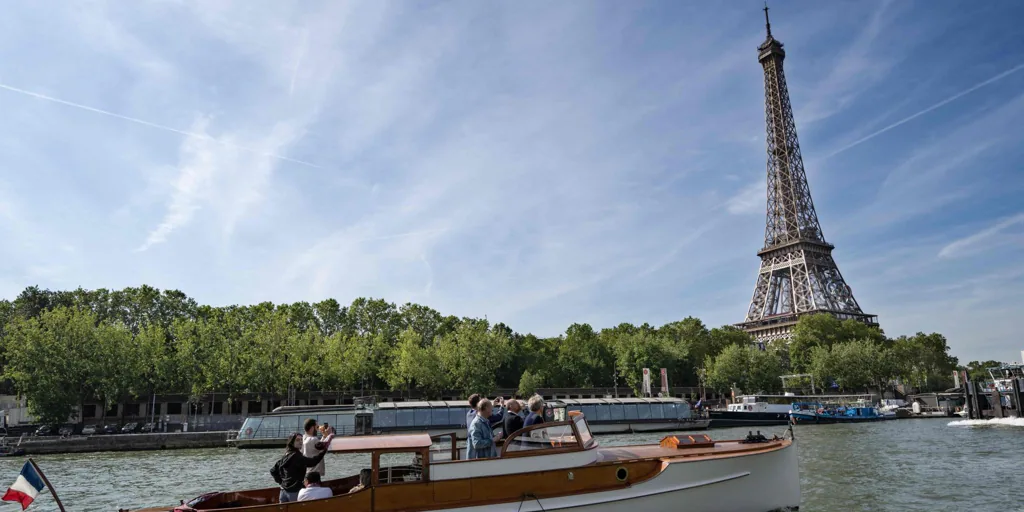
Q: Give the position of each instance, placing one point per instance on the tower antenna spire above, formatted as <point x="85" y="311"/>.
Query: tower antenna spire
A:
<point x="767" y="24"/>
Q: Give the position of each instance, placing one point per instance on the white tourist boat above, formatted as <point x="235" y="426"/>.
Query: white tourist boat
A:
<point x="547" y="467"/>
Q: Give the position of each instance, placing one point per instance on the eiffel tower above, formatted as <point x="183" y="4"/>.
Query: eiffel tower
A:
<point x="798" y="276"/>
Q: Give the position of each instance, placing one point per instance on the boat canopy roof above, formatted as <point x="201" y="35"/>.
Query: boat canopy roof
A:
<point x="374" y="443"/>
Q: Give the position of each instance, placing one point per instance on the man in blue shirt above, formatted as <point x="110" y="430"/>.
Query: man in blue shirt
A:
<point x="496" y="417"/>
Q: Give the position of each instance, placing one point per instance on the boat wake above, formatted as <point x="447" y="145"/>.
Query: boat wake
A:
<point x="994" y="422"/>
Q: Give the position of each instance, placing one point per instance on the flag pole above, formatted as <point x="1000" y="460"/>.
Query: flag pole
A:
<point x="48" y="485"/>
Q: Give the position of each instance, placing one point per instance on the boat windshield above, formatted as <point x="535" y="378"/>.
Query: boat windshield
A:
<point x="583" y="430"/>
<point x="543" y="437"/>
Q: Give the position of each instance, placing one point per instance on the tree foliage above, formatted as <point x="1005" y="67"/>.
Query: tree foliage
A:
<point x="61" y="348"/>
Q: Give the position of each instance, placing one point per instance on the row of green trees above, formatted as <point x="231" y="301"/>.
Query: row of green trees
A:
<point x="842" y="355"/>
<point x="62" y="348"/>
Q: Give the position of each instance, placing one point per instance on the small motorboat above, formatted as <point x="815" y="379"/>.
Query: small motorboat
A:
<point x="546" y="467"/>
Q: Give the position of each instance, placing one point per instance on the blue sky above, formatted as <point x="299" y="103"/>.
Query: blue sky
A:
<point x="538" y="163"/>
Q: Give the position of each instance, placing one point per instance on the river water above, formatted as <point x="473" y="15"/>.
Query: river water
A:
<point x="913" y="464"/>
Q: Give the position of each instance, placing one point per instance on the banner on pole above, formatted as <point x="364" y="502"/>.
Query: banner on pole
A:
<point x="664" y="382"/>
<point x="647" y="382"/>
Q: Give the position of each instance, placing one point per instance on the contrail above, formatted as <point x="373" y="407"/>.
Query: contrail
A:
<point x="157" y="126"/>
<point x="954" y="97"/>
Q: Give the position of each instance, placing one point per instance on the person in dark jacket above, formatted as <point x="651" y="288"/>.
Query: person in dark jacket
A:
<point x="495" y="418"/>
<point x="536" y="417"/>
<point x="290" y="470"/>
<point x="513" y="421"/>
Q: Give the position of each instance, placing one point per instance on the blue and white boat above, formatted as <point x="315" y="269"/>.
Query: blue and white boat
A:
<point x="817" y="412"/>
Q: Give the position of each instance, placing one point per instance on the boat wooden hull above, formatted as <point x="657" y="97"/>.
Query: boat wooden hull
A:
<point x="729" y="476"/>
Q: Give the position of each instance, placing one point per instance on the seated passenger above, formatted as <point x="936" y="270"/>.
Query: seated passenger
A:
<point x="480" y="440"/>
<point x="364" y="481"/>
<point x="313" y="490"/>
<point x="536" y="406"/>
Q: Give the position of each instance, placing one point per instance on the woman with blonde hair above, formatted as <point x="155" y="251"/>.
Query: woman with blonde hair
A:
<point x="536" y="406"/>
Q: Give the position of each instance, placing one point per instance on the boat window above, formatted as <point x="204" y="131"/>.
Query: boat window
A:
<point x="644" y="411"/>
<point x="617" y="412"/>
<point x="394" y="468"/>
<point x="684" y="410"/>
<point x="384" y="417"/>
<point x="657" y="411"/>
<point x="457" y="415"/>
<point x="630" y="411"/>
<point x="331" y="419"/>
<point x="604" y="413"/>
<point x="583" y="430"/>
<point x="250" y="428"/>
<point x="421" y="416"/>
<point x="546" y="438"/>
<point x="589" y="411"/>
<point x="291" y="424"/>
<point x="670" y="411"/>
<point x="270" y="428"/>
<point x="405" y="418"/>
<point x="439" y="416"/>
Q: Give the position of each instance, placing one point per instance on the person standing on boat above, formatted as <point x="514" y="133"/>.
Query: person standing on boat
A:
<point x="513" y="419"/>
<point x="290" y="470"/>
<point x="536" y="405"/>
<point x="474" y="402"/>
<point x="311" y="445"/>
<point x="480" y="440"/>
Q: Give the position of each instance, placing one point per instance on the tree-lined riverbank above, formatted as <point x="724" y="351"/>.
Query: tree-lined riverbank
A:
<point x="62" y="348"/>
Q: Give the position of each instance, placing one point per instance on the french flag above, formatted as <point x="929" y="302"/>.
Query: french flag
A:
<point x="25" y="489"/>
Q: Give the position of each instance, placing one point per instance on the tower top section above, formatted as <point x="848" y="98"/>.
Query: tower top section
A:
<point x="771" y="46"/>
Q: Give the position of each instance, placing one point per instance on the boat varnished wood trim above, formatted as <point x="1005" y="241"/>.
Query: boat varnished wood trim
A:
<point x="498" y="489"/>
<point x="475" y="491"/>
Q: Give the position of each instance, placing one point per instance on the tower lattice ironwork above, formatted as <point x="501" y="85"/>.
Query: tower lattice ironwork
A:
<point x="798" y="275"/>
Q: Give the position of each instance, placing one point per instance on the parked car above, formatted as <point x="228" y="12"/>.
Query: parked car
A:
<point x="110" y="429"/>
<point x="91" y="430"/>
<point x="129" y="428"/>
<point x="149" y="427"/>
<point x="46" y="430"/>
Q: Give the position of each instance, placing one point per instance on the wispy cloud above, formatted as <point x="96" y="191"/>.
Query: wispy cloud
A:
<point x="920" y="113"/>
<point x="980" y="241"/>
<point x="751" y="199"/>
<point x="187" y="133"/>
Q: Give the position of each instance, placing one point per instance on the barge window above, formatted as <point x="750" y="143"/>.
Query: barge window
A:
<point x="590" y="412"/>
<point x="644" y="411"/>
<point x="291" y="424"/>
<point x="457" y="415"/>
<point x="657" y="411"/>
<point x="630" y="411"/>
<point x="250" y="423"/>
<point x="269" y="427"/>
<point x="404" y="418"/>
<point x="617" y="412"/>
<point x="384" y="418"/>
<point x="439" y="416"/>
<point x="604" y="413"/>
<point x="331" y="419"/>
<point x="670" y="411"/>
<point x="422" y="416"/>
